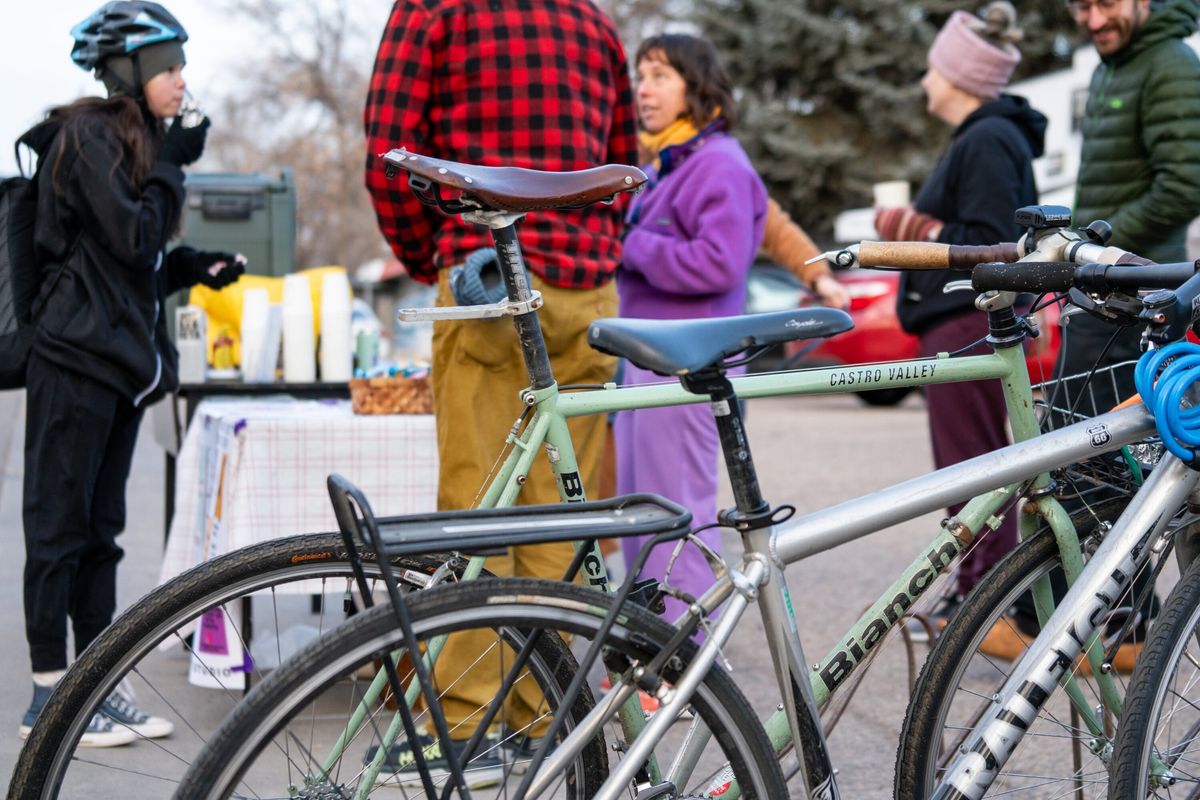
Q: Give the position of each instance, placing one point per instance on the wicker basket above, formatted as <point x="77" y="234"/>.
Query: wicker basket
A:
<point x="391" y="395"/>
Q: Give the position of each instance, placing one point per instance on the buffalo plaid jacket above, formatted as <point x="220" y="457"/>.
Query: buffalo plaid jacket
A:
<point x="528" y="83"/>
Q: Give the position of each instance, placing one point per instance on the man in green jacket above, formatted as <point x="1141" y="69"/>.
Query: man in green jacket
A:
<point x="1140" y="170"/>
<point x="1140" y="165"/>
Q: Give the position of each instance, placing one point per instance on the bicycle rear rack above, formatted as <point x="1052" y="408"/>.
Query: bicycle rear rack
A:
<point x="479" y="532"/>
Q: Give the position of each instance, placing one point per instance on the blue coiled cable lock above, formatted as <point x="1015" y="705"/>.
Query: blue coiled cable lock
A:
<point x="1178" y="426"/>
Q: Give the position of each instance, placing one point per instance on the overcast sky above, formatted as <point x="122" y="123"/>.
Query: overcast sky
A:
<point x="35" y="59"/>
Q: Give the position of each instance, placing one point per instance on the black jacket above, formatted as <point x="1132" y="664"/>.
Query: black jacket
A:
<point x="985" y="175"/>
<point x="103" y="314"/>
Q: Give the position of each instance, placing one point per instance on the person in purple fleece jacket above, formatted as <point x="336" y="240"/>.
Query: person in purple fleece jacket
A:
<point x="689" y="242"/>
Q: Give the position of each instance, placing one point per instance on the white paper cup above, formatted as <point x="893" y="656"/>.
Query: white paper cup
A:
<point x="299" y="346"/>
<point x="335" y="355"/>
<point x="891" y="194"/>
<point x="255" y="307"/>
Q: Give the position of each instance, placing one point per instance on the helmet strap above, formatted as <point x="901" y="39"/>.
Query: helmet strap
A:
<point x="137" y="74"/>
<point x="136" y="91"/>
<point x="103" y="73"/>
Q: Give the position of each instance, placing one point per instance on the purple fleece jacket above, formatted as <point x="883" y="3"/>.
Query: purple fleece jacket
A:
<point x="695" y="236"/>
<point x="687" y="255"/>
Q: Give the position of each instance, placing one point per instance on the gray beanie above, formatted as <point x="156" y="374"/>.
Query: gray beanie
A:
<point x="117" y="71"/>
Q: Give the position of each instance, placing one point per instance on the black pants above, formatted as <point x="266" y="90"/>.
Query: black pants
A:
<point x="967" y="419"/>
<point x="79" y="439"/>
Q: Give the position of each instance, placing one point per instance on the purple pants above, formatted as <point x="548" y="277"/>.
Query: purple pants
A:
<point x="966" y="420"/>
<point x="672" y="452"/>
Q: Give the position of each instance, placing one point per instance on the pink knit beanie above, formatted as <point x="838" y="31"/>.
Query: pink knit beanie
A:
<point x="969" y="61"/>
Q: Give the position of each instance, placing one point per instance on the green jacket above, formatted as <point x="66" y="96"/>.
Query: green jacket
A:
<point x="1140" y="165"/>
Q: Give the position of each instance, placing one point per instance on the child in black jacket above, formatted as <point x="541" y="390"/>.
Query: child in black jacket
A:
<point x="110" y="195"/>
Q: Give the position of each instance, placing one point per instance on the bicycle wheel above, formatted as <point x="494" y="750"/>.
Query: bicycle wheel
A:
<point x="149" y="646"/>
<point x="278" y="740"/>
<point x="1059" y="756"/>
<point x="1161" y="721"/>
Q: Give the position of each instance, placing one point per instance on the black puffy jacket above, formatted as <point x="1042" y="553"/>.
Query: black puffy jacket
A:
<point x="103" y="316"/>
<point x="984" y="176"/>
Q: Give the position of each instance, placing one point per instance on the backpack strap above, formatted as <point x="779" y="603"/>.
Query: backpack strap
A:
<point x="49" y="282"/>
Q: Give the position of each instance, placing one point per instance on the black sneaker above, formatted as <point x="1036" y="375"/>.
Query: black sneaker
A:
<point x="519" y="749"/>
<point x="400" y="768"/>
<point x="100" y="732"/>
<point x="121" y="707"/>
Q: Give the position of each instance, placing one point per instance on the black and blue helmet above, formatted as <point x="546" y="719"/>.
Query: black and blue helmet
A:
<point x="121" y="28"/>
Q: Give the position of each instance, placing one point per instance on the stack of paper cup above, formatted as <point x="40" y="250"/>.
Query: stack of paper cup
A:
<point x="335" y="328"/>
<point x="255" y="307"/>
<point x="299" y="351"/>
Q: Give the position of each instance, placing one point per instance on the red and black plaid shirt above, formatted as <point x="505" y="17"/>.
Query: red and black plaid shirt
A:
<point x="527" y="83"/>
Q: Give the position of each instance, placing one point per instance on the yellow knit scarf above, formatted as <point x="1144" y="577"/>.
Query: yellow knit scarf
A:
<point x="677" y="132"/>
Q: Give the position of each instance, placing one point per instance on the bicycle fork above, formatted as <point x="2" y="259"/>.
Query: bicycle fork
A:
<point x="1068" y="631"/>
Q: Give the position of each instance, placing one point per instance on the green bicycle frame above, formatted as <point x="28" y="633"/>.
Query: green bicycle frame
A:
<point x="547" y="428"/>
<point x="543" y="424"/>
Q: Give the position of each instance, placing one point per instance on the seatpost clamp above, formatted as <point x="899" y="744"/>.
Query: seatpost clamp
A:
<point x="504" y="308"/>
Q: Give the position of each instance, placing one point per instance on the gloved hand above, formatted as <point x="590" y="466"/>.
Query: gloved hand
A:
<point x="182" y="146"/>
<point x="213" y="269"/>
<point x="903" y="224"/>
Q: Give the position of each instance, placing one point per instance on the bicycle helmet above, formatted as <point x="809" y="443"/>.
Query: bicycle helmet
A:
<point x="127" y="42"/>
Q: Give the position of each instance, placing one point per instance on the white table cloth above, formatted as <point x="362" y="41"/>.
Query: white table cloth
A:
<point x="254" y="470"/>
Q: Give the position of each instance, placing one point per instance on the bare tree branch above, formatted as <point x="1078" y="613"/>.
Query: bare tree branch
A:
<point x="299" y="104"/>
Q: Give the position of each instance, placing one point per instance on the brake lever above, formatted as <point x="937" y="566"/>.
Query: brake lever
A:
<point x="845" y="258"/>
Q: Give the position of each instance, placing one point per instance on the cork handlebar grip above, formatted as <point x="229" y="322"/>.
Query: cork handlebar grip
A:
<point x="904" y="255"/>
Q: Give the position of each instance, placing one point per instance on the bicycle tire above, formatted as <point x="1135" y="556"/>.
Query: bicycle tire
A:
<point x="514" y="607"/>
<point x="1172" y="645"/>
<point x="49" y="752"/>
<point x="958" y="680"/>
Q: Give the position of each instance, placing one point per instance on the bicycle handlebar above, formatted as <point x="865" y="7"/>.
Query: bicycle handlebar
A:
<point x="1061" y="276"/>
<point x="932" y="255"/>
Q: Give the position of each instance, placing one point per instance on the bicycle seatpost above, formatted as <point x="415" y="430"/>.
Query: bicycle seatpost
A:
<point x="516" y="283"/>
<point x="751" y="509"/>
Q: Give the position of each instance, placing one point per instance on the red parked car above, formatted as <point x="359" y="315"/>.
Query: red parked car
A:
<point x="876" y="335"/>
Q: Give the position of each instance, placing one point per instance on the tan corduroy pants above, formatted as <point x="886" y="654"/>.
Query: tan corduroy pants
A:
<point x="478" y="372"/>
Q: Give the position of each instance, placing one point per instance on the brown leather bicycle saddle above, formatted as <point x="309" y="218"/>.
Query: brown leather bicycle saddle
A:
<point x="517" y="189"/>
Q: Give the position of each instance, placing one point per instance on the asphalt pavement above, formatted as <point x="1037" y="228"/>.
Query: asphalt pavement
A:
<point x="810" y="452"/>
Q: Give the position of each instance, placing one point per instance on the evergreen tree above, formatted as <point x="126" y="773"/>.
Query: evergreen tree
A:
<point x="829" y="90"/>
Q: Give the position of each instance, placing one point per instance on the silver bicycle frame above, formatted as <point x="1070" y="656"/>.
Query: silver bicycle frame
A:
<point x="1070" y="628"/>
<point x="769" y="550"/>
